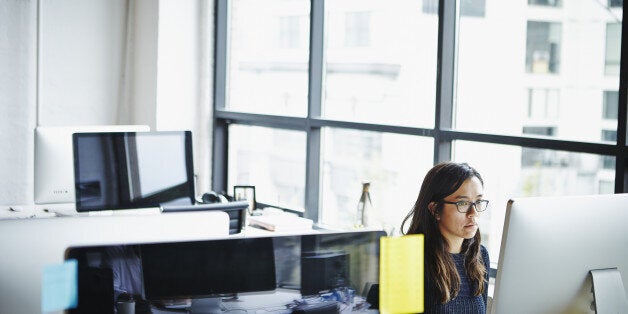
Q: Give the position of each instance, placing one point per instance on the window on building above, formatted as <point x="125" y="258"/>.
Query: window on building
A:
<point x="613" y="49"/>
<point x="543" y="47"/>
<point x="615" y="3"/>
<point x="549" y="3"/>
<point x="608" y="162"/>
<point x="357" y="29"/>
<point x="289" y="32"/>
<point x="611" y="102"/>
<point x="543" y="104"/>
<point x="606" y="187"/>
<point x="474" y="8"/>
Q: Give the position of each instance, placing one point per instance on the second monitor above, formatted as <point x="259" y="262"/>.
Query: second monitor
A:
<point x="123" y="170"/>
<point x="549" y="247"/>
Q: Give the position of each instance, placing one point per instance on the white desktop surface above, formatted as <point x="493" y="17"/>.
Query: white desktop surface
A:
<point x="30" y="244"/>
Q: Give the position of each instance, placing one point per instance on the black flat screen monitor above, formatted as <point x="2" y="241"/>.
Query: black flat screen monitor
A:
<point x="123" y="170"/>
<point x="255" y="273"/>
<point x="208" y="268"/>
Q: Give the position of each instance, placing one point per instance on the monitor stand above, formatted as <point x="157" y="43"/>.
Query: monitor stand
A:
<point x="206" y="305"/>
<point x="609" y="295"/>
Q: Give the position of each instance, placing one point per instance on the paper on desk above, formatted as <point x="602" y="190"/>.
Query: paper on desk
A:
<point x="401" y="274"/>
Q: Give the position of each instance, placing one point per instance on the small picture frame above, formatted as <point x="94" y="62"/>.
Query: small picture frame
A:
<point x="245" y="192"/>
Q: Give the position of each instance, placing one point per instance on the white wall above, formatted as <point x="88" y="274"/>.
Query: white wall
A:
<point x="102" y="62"/>
<point x="17" y="99"/>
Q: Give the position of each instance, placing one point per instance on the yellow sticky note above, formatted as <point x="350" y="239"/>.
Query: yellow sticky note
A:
<point x="401" y="274"/>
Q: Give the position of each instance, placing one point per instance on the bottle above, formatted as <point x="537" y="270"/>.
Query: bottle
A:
<point x="365" y="214"/>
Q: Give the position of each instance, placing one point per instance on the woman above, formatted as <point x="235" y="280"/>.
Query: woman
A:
<point x="456" y="265"/>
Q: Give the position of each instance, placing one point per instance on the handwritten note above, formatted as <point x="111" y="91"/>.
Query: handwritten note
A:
<point x="401" y="274"/>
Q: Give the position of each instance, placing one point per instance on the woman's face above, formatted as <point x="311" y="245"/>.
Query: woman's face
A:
<point x="454" y="225"/>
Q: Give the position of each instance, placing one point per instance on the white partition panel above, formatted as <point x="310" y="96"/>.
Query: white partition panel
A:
<point x="27" y="245"/>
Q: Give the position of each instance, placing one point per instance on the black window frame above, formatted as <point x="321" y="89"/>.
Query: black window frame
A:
<point x="443" y="133"/>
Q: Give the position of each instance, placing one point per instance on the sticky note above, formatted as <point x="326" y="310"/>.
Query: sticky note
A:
<point x="401" y="274"/>
<point x="59" y="286"/>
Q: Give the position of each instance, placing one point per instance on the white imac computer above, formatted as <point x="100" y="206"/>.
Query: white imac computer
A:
<point x="54" y="166"/>
<point x="564" y="255"/>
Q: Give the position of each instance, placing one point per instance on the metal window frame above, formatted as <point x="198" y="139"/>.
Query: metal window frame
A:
<point x="443" y="132"/>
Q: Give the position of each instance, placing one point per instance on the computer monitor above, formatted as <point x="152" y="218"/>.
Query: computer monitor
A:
<point x="54" y="167"/>
<point x="252" y="273"/>
<point x="122" y="170"/>
<point x="207" y="270"/>
<point x="550" y="245"/>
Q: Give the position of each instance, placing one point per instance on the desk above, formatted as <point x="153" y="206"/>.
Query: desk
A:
<point x="30" y="244"/>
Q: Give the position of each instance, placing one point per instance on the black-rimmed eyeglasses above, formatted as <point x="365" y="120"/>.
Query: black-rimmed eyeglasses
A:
<point x="465" y="206"/>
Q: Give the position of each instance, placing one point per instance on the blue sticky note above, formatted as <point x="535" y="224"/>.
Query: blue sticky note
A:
<point x="59" y="286"/>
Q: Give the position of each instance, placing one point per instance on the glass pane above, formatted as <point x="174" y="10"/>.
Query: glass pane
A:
<point x="393" y="164"/>
<point x="511" y="171"/>
<point x="380" y="62"/>
<point x="267" y="62"/>
<point x="272" y="160"/>
<point x="545" y="69"/>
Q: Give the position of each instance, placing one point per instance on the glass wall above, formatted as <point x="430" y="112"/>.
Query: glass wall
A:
<point x="319" y="97"/>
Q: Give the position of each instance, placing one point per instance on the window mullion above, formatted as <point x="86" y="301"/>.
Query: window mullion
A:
<point x="220" y="133"/>
<point x="445" y="77"/>
<point x="621" y="169"/>
<point x="313" y="154"/>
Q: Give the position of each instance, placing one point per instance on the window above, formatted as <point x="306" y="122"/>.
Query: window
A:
<point x="531" y="157"/>
<point x="543" y="104"/>
<point x="392" y="163"/>
<point x="511" y="87"/>
<point x="616" y="3"/>
<point x="290" y="32"/>
<point x="316" y="97"/>
<point x="606" y="187"/>
<point x="611" y="101"/>
<point x="553" y="172"/>
<point x="357" y="29"/>
<point x="272" y="160"/>
<point x="467" y="7"/>
<point x="549" y="3"/>
<point x="613" y="49"/>
<point x="263" y="76"/>
<point x="543" y="47"/>
<point x="608" y="162"/>
<point x="371" y="75"/>
<point x="539" y="130"/>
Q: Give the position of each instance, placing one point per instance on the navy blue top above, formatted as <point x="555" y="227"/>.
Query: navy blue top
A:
<point x="465" y="302"/>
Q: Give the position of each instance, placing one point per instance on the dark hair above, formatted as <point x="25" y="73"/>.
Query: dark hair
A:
<point x="441" y="181"/>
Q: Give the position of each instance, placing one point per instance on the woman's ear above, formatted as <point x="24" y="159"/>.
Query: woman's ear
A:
<point x="432" y="208"/>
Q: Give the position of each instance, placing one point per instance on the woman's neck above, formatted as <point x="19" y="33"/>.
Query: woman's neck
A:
<point x="455" y="245"/>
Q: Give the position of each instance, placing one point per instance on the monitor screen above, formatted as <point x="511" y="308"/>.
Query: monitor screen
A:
<point x="550" y="244"/>
<point x="122" y="170"/>
<point x="53" y="168"/>
<point x="265" y="273"/>
<point x="200" y="269"/>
